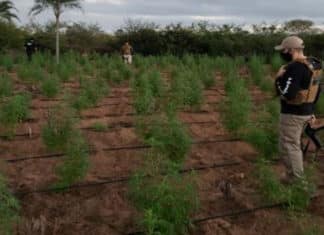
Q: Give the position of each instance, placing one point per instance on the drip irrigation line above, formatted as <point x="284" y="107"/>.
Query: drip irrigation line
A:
<point x="113" y="149"/>
<point x="123" y="179"/>
<point x="93" y="129"/>
<point x="44" y="156"/>
<point x="234" y="213"/>
<point x="97" y="106"/>
<point x="239" y="212"/>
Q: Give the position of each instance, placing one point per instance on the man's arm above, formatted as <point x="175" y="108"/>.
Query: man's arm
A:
<point x="288" y="84"/>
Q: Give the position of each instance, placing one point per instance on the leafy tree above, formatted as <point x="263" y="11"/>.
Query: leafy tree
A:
<point x="6" y="11"/>
<point x="298" y="26"/>
<point x="58" y="7"/>
<point x="85" y="37"/>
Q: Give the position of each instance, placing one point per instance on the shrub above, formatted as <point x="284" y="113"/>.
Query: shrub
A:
<point x="266" y="142"/>
<point x="156" y="83"/>
<point x="9" y="209"/>
<point x="206" y="71"/>
<point x="186" y="89"/>
<point x="6" y="85"/>
<point x="237" y="104"/>
<point x="50" y="86"/>
<point x="30" y="74"/>
<point x="99" y="127"/>
<point x="65" y="70"/>
<point x="144" y="100"/>
<point x="75" y="163"/>
<point x="166" y="202"/>
<point x="7" y="62"/>
<point x="256" y="68"/>
<point x="92" y="91"/>
<point x="276" y="62"/>
<point x="59" y="128"/>
<point x="13" y="111"/>
<point x="170" y="138"/>
<point x="271" y="188"/>
<point x="297" y="195"/>
<point x="125" y="72"/>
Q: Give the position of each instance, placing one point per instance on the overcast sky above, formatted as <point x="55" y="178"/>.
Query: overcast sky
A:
<point x="110" y="14"/>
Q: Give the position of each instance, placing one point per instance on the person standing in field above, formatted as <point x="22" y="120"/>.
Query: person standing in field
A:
<point x="297" y="84"/>
<point x="127" y="51"/>
<point x="30" y="48"/>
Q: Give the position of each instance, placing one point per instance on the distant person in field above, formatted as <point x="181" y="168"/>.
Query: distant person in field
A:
<point x="127" y="51"/>
<point x="297" y="84"/>
<point x="30" y="47"/>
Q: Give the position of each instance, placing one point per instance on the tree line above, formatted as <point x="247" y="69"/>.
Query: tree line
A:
<point x="149" y="38"/>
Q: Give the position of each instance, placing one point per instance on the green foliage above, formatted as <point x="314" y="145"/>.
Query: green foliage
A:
<point x="125" y="72"/>
<point x="207" y="76"/>
<point x="6" y="62"/>
<point x="9" y="209"/>
<point x="50" y="86"/>
<point x="99" y="127"/>
<point x="115" y="70"/>
<point x="167" y="203"/>
<point x="237" y="106"/>
<point x="226" y="65"/>
<point x="186" y="88"/>
<point x="92" y="90"/>
<point x="276" y="62"/>
<point x="13" y="111"/>
<point x="59" y="128"/>
<point x="297" y="195"/>
<point x="156" y="83"/>
<point x="258" y="73"/>
<point x="75" y="163"/>
<point x="6" y="86"/>
<point x="65" y="70"/>
<point x="266" y="143"/>
<point x="311" y="229"/>
<point x="29" y="73"/>
<point x="262" y="133"/>
<point x="11" y="37"/>
<point x="271" y="188"/>
<point x="319" y="108"/>
<point x="168" y="137"/>
<point x="144" y="101"/>
<point x="256" y="68"/>
<point x="88" y="67"/>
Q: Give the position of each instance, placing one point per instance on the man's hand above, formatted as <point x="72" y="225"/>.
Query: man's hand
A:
<point x="281" y="71"/>
<point x="312" y="120"/>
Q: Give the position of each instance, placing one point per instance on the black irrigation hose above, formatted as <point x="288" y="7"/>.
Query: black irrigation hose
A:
<point x="232" y="213"/>
<point x="239" y="212"/>
<point x="113" y="149"/>
<point x="130" y="114"/>
<point x="122" y="179"/>
<point x="113" y="126"/>
<point x="45" y="156"/>
<point x="97" y="106"/>
<point x="226" y="214"/>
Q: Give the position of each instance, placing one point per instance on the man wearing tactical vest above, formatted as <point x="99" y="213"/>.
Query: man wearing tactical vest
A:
<point x="127" y="51"/>
<point x="297" y="84"/>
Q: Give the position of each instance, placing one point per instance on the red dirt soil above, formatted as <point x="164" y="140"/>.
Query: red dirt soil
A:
<point x="105" y="209"/>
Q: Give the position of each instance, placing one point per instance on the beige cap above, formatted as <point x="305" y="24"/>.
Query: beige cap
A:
<point x="291" y="42"/>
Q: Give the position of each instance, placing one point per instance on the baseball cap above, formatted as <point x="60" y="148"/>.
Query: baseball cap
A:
<point x="291" y="42"/>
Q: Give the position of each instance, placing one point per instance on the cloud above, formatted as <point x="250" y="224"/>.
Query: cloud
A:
<point x="112" y="2"/>
<point x="111" y="13"/>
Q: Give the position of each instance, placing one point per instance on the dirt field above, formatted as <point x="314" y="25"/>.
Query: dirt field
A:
<point x="104" y="209"/>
